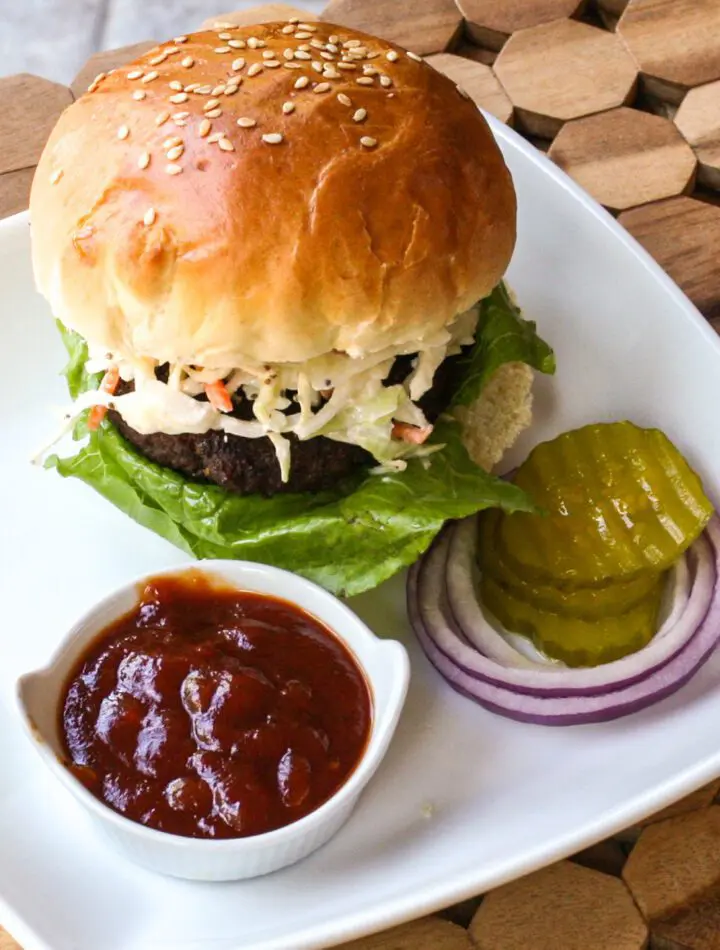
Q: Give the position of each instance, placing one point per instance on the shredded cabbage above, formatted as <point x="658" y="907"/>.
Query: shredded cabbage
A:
<point x="338" y="396"/>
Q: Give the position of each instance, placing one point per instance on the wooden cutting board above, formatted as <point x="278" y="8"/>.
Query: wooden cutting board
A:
<point x="625" y="96"/>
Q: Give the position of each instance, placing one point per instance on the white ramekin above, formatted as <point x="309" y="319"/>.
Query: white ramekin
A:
<point x="386" y="667"/>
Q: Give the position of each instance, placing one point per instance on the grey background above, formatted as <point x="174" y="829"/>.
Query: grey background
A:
<point x="53" y="38"/>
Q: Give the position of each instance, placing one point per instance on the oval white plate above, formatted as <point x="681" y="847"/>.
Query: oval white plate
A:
<point x="464" y="800"/>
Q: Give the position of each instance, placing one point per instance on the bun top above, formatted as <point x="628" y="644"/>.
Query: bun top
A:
<point x="269" y="193"/>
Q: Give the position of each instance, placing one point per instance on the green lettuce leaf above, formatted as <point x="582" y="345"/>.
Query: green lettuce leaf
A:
<point x="349" y="539"/>
<point x="503" y="337"/>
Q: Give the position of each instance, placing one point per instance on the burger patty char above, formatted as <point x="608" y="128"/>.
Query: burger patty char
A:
<point x="250" y="466"/>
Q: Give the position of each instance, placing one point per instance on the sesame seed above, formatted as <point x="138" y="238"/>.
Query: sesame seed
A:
<point x="268" y="54"/>
<point x="369" y="70"/>
<point x="386" y="81"/>
<point x="180" y="123"/>
<point x="272" y="138"/>
<point x="418" y="59"/>
<point x="305" y="47"/>
<point x="178" y="86"/>
<point x="180" y="115"/>
<point x="301" y="82"/>
<point x="314" y="42"/>
<point x="301" y="54"/>
<point x="327" y="56"/>
<point x="318" y="67"/>
<point x="224" y="36"/>
<point x="360" y="115"/>
<point x="143" y="160"/>
<point x="245" y="122"/>
<point x="322" y="87"/>
<point x="226" y="145"/>
<point x="56" y="176"/>
<point x="214" y="113"/>
<point x="149" y="217"/>
<point x="307" y="26"/>
<point x="303" y="36"/>
<point x="391" y="55"/>
<point x="135" y="74"/>
<point x="178" y="98"/>
<point x="203" y="90"/>
<point x="215" y="137"/>
<point x="350" y="66"/>
<point x="288" y="107"/>
<point x="191" y="87"/>
<point x="272" y="63"/>
<point x="172" y="141"/>
<point x="238" y="63"/>
<point x="148" y="77"/>
<point x="222" y="49"/>
<point x="162" y="118"/>
<point x="139" y="94"/>
<point x="365" y="81"/>
<point x="334" y="38"/>
<point x="254" y="43"/>
<point x="156" y="60"/>
<point x="98" y="78"/>
<point x="288" y="28"/>
<point x="204" y="128"/>
<point x="367" y="142"/>
<point x="175" y="152"/>
<point x="211" y="104"/>
<point x="232" y="88"/>
<point x="173" y="169"/>
<point x="294" y="20"/>
<point x="288" y="53"/>
<point x="123" y="132"/>
<point x="180" y="39"/>
<point x="292" y="65"/>
<point x="236" y="44"/>
<point x="332" y="48"/>
<point x="331" y="74"/>
<point x="187" y="62"/>
<point x="463" y="92"/>
<point x="351" y="44"/>
<point x="345" y="100"/>
<point x="254" y="69"/>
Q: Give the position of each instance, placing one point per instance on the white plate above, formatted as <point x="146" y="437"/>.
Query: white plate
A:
<point x="505" y="797"/>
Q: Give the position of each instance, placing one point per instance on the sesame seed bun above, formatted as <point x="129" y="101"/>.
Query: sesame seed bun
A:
<point x="220" y="199"/>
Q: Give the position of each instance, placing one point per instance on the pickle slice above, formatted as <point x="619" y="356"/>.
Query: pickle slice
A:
<point x="588" y="603"/>
<point x="575" y="641"/>
<point x="621" y="502"/>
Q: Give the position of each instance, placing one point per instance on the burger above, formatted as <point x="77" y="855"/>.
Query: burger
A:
<point x="275" y="254"/>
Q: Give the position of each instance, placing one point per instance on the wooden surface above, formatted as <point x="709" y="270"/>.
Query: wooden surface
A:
<point x="570" y="86"/>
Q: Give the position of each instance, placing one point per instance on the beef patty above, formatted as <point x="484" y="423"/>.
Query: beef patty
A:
<point x="250" y="466"/>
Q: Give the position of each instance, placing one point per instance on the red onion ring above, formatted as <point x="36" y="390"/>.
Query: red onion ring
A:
<point x="606" y="691"/>
<point x="577" y="709"/>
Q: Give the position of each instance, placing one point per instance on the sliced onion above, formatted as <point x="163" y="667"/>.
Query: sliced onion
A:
<point x="575" y="707"/>
<point x="477" y="630"/>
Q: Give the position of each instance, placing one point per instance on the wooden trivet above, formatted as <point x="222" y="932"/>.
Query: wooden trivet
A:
<point x="626" y="97"/>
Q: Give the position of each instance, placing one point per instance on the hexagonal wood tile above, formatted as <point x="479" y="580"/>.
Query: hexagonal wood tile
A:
<point x="564" y="70"/>
<point x="267" y="13"/>
<point x="105" y="61"/>
<point x="430" y="933"/>
<point x="675" y="861"/>
<point x="423" y="26"/>
<point x="696" y="927"/>
<point x="491" y="22"/>
<point x="676" y="44"/>
<point x="25" y="96"/>
<point x="562" y="907"/>
<point x="683" y="235"/>
<point x="698" y="118"/>
<point x="477" y="80"/>
<point x="625" y="157"/>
